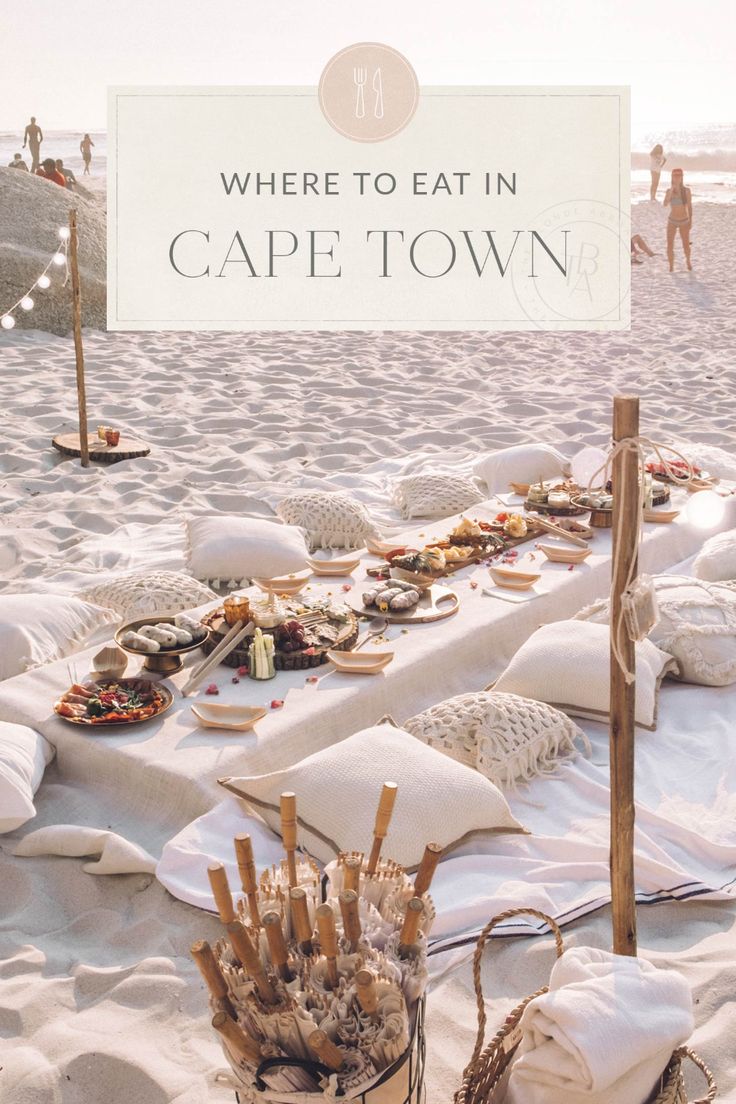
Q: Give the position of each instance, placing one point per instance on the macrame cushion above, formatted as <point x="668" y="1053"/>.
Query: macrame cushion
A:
<point x="520" y="464"/>
<point x="567" y="665"/>
<point x="697" y="627"/>
<point x="338" y="789"/>
<point x="229" y="551"/>
<point x="717" y="558"/>
<point x="330" y="519"/>
<point x="41" y="628"/>
<point x="141" y="593"/>
<point x="507" y="738"/>
<point x="436" y="495"/>
<point x="23" y="757"/>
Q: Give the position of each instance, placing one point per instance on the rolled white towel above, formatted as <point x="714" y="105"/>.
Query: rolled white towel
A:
<point x="603" y="1034"/>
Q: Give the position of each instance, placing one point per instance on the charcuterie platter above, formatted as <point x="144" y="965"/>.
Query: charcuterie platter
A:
<point x="434" y="603"/>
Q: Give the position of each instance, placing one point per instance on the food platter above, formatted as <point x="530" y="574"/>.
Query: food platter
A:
<point x="435" y="604"/>
<point x="155" y="697"/>
<point x="555" y="511"/>
<point x="166" y="660"/>
<point x="320" y="636"/>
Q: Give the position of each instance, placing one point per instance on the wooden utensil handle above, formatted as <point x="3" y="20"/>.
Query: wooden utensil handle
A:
<point x="288" y="832"/>
<point x="243" y="1045"/>
<point x="248" y="879"/>
<point x="351" y="873"/>
<point x="248" y="954"/>
<point x="348" y="901"/>
<point x="383" y="818"/>
<point x="328" y="941"/>
<point x="427" y="867"/>
<point x="365" y="986"/>
<point x="326" y="1050"/>
<point x="221" y="892"/>
<point x="301" y="925"/>
<point x="212" y="975"/>
<point x="277" y="944"/>
<point x="410" y="927"/>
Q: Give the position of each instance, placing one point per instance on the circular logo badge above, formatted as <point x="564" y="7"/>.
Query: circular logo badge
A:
<point x="368" y="92"/>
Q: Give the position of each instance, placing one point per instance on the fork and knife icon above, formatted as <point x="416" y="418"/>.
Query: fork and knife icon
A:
<point x="360" y="79"/>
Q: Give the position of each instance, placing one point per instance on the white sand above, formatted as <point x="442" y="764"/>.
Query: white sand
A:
<point x="98" y="997"/>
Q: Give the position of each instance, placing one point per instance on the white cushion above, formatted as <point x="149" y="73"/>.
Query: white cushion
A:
<point x="140" y="593"/>
<point x="230" y="549"/>
<point x="520" y="464"/>
<point x="331" y="519"/>
<point x="697" y="627"/>
<point x="717" y="558"/>
<point x="505" y="737"/>
<point x="435" y="495"/>
<point x="567" y="665"/>
<point x="337" y="792"/>
<point x="40" y="628"/>
<point x="23" y="758"/>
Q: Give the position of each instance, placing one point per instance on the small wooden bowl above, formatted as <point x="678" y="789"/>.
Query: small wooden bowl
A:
<point x="235" y="718"/>
<point x="421" y="582"/>
<point x="380" y="547"/>
<point x="359" y="663"/>
<point x="661" y="516"/>
<point x="285" y="584"/>
<point x="334" y="567"/>
<point x="520" y="488"/>
<point x="560" y="554"/>
<point x="513" y="579"/>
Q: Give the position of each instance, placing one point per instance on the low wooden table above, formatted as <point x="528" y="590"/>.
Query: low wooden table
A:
<point x="126" y="449"/>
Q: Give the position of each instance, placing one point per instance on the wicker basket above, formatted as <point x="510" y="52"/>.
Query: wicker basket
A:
<point x="486" y="1075"/>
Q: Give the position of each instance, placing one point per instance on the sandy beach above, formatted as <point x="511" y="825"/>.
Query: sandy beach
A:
<point x="99" y="995"/>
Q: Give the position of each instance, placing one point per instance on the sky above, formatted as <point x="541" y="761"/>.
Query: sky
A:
<point x="58" y="58"/>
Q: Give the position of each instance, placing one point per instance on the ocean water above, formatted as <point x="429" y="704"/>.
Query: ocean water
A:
<point x="706" y="154"/>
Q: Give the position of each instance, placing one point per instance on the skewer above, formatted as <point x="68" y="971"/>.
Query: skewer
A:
<point x="351" y="873"/>
<point x="550" y="527"/>
<point x="251" y="960"/>
<point x="243" y="1045"/>
<point x="212" y="975"/>
<point x="277" y="945"/>
<point x="410" y="928"/>
<point x="328" y="1054"/>
<point x="223" y="649"/>
<point x="248" y="880"/>
<point x="383" y="817"/>
<point x="300" y="920"/>
<point x="365" y="987"/>
<point x="348" y="901"/>
<point x="427" y="867"/>
<point x="328" y="941"/>
<point x="288" y="833"/>
<point x="221" y="892"/>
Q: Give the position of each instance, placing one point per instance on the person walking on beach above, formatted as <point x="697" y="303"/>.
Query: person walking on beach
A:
<point x="18" y="163"/>
<point x="656" y="163"/>
<point x="49" y="171"/>
<point x="85" y="148"/>
<point x="679" y="199"/>
<point x="33" y="138"/>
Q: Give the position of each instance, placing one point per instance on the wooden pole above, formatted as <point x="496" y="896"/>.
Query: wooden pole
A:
<point x="383" y="819"/>
<point x="623" y="694"/>
<point x="78" y="350"/>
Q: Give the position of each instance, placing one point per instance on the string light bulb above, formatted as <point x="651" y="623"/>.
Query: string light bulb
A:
<point x="43" y="282"/>
<point x="26" y="303"/>
<point x="64" y="233"/>
<point x="705" y="510"/>
<point x="59" y="259"/>
<point x="7" y="321"/>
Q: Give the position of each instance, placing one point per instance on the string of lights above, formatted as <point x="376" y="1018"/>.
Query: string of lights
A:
<point x="26" y="302"/>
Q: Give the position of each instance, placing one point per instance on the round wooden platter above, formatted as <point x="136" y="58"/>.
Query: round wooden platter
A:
<point x="345" y="640"/>
<point x="126" y="449"/>
<point x="435" y="604"/>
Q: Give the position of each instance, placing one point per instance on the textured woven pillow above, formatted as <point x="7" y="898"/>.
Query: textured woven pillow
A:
<point x="337" y="792"/>
<point x="507" y="738"/>
<point x="140" y="593"/>
<point x="23" y="757"/>
<point x="436" y="495"/>
<point x="697" y="627"/>
<point x="40" y="628"/>
<point x="567" y="665"/>
<point x="717" y="558"/>
<point x="520" y="464"/>
<point x="230" y="551"/>
<point x="330" y="519"/>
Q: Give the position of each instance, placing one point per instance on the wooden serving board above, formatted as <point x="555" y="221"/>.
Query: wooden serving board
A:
<point x="435" y="604"/>
<point x="126" y="449"/>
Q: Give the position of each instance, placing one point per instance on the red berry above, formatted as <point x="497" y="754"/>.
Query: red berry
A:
<point x="312" y="678"/>
<point x="276" y="703"/>
<point x="236" y="679"/>
<point x="242" y="671"/>
<point x="212" y="689"/>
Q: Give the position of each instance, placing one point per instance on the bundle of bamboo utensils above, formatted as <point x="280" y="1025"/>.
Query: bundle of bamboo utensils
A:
<point x="308" y="994"/>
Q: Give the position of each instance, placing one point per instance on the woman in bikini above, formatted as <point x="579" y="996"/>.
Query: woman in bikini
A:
<point x="679" y="199"/>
